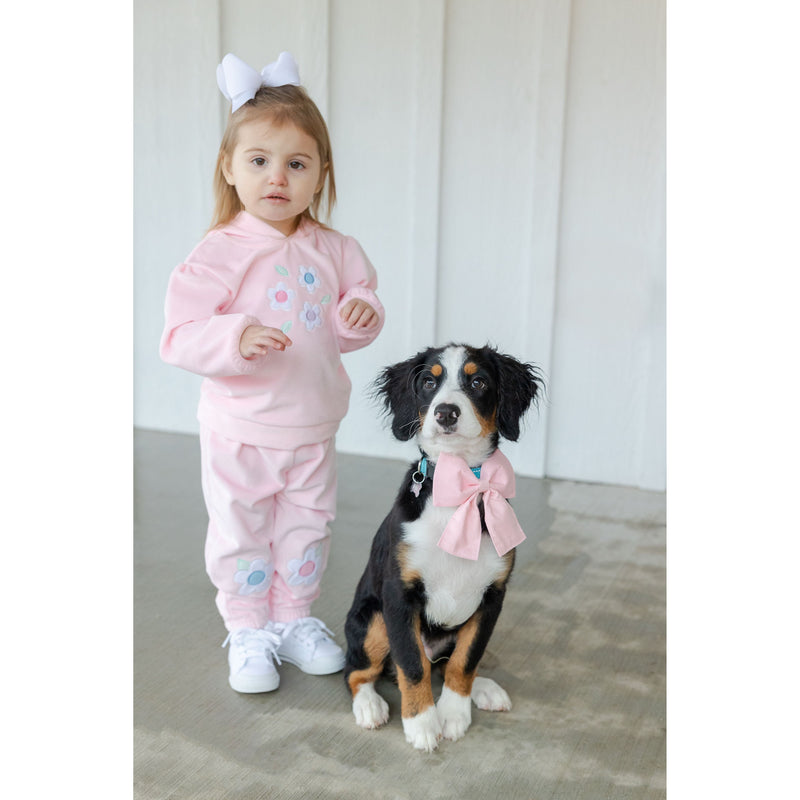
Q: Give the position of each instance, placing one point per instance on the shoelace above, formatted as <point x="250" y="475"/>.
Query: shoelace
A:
<point x="308" y="629"/>
<point x="255" y="642"/>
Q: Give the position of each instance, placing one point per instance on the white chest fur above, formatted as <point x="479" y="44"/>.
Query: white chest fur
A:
<point x="454" y="586"/>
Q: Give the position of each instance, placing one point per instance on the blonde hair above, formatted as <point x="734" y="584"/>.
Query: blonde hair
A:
<point x="281" y="104"/>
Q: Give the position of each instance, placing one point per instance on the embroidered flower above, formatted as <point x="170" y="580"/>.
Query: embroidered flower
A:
<point x="306" y="570"/>
<point x="311" y="316"/>
<point x="309" y="279"/>
<point x="255" y="576"/>
<point x="281" y="297"/>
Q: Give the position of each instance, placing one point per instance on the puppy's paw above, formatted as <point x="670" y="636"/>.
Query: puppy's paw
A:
<point x="369" y="708"/>
<point x="455" y="714"/>
<point x="424" y="730"/>
<point x="487" y="695"/>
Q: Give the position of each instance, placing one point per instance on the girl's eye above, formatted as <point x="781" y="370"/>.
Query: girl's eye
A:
<point x="297" y="165"/>
<point x="259" y="161"/>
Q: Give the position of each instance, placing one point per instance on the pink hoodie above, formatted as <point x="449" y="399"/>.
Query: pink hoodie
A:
<point x="248" y="273"/>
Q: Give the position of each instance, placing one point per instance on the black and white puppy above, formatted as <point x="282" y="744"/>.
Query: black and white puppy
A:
<point x="415" y="603"/>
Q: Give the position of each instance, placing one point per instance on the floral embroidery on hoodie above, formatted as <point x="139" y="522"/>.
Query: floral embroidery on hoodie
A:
<point x="311" y="316"/>
<point x="281" y="297"/>
<point x="309" y="279"/>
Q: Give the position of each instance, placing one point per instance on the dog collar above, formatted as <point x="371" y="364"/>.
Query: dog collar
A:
<point x="425" y="470"/>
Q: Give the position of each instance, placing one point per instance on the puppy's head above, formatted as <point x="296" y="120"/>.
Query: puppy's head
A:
<point x="458" y="399"/>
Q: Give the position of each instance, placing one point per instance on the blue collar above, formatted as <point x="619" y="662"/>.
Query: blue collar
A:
<point x="422" y="474"/>
<point x="422" y="469"/>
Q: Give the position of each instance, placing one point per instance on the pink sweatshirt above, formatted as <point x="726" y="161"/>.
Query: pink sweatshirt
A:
<point x="248" y="273"/>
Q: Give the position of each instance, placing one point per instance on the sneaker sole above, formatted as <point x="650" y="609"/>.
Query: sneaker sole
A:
<point x="254" y="684"/>
<point x="321" y="668"/>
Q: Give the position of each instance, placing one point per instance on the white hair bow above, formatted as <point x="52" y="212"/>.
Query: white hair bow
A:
<point x="239" y="82"/>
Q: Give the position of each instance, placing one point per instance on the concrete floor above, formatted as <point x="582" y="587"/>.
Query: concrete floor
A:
<point x="580" y="648"/>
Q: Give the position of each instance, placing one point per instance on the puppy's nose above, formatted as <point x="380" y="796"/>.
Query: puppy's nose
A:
<point x="446" y="414"/>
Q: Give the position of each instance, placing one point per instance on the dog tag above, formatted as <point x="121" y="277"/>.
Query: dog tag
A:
<point x="417" y="479"/>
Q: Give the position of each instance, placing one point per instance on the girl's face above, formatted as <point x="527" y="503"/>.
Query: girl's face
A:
<point x="276" y="170"/>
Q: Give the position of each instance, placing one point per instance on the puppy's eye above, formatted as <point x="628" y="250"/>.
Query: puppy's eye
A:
<point x="429" y="384"/>
<point x="479" y="384"/>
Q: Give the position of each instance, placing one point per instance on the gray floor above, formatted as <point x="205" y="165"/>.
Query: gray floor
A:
<point x="580" y="648"/>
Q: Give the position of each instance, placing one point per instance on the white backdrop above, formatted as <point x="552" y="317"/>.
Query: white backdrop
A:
<point x="502" y="162"/>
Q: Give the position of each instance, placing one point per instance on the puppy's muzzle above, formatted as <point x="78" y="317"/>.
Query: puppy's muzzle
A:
<point x="446" y="416"/>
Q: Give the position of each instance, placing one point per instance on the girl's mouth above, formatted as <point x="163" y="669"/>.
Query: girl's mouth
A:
<point x="277" y="196"/>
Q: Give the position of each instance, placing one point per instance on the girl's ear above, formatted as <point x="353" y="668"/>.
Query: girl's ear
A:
<point x="323" y="173"/>
<point x="226" y="170"/>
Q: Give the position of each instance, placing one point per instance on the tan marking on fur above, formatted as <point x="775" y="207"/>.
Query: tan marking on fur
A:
<point x="488" y="426"/>
<point x="509" y="559"/>
<point x="470" y="368"/>
<point x="416" y="697"/>
<point x="456" y="678"/>
<point x="436" y="370"/>
<point x="376" y="646"/>
<point x="409" y="576"/>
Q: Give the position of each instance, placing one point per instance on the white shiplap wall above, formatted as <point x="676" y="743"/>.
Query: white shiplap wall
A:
<point x="502" y="163"/>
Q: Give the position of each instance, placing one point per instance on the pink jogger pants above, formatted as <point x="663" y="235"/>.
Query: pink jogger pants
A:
<point x="268" y="536"/>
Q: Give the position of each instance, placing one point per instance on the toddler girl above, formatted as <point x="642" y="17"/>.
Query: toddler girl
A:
<point x="263" y="308"/>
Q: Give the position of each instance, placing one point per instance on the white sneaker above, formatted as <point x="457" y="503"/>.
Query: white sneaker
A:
<point x="306" y="643"/>
<point x="250" y="660"/>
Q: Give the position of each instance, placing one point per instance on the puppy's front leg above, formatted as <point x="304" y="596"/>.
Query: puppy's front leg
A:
<point x="420" y="720"/>
<point x="455" y="706"/>
<point x="455" y="702"/>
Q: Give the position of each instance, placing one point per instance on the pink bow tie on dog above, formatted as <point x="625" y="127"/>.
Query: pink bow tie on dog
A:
<point x="454" y="484"/>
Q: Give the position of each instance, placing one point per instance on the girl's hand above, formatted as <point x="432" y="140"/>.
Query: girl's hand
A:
<point x="358" y="314"/>
<point x="257" y="340"/>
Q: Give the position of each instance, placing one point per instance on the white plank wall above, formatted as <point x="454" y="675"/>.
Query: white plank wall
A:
<point x="501" y="161"/>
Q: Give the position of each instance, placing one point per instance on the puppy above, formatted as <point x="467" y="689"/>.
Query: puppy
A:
<point x="437" y="572"/>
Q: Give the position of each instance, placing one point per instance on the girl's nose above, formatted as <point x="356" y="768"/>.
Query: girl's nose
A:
<point x="277" y="176"/>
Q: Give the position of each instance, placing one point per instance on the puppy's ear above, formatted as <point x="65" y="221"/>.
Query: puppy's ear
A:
<point x="518" y="385"/>
<point x="394" y="388"/>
